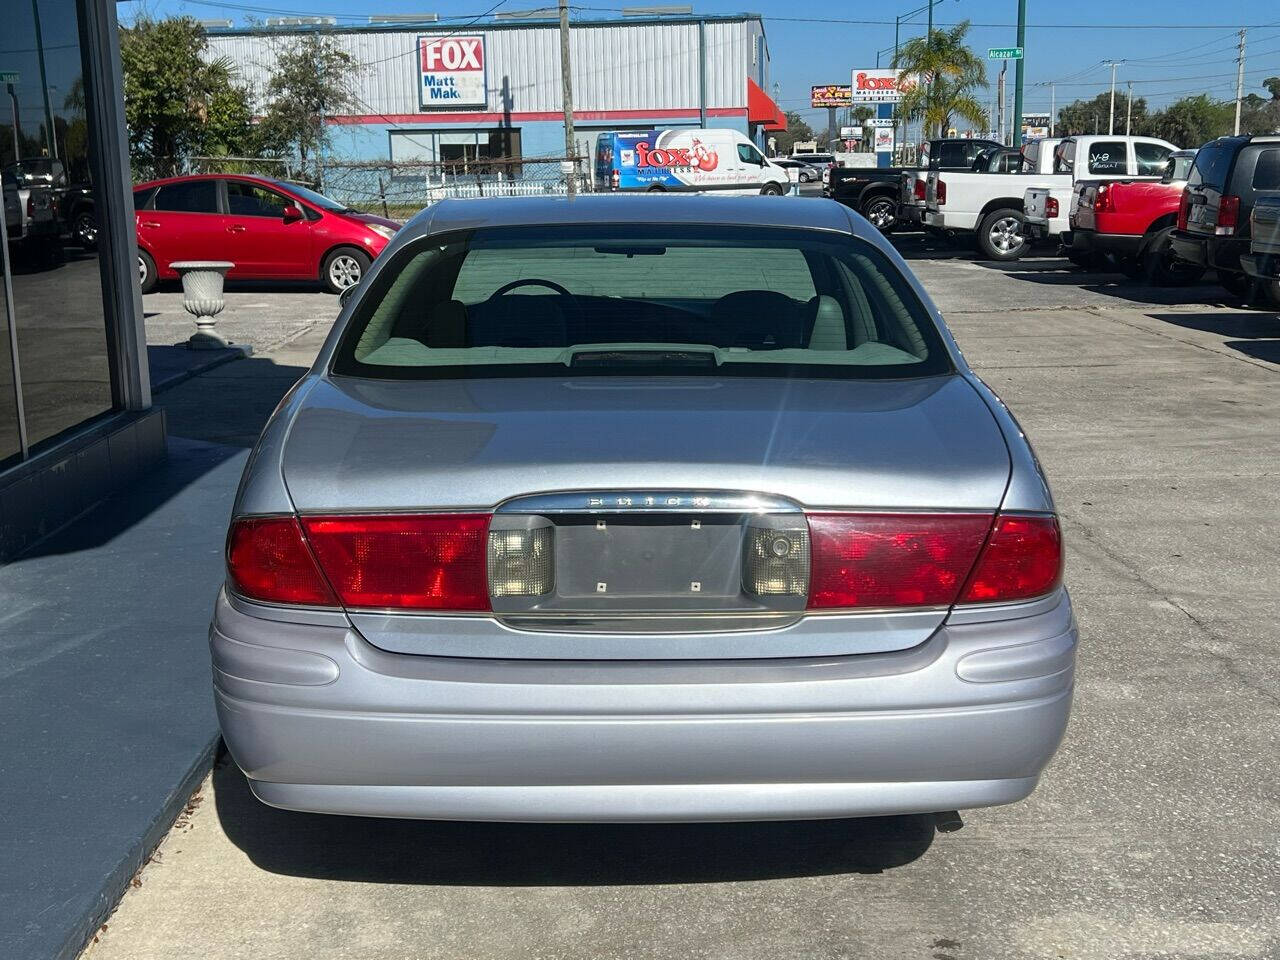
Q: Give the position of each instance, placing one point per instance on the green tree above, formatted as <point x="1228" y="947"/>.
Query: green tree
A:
<point x="1092" y="116"/>
<point x="798" y="131"/>
<point x="311" y="81"/>
<point x="179" y="102"/>
<point x="956" y="72"/>
<point x="1192" y="121"/>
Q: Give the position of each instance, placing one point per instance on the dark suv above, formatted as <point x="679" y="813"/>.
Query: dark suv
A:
<point x="1228" y="177"/>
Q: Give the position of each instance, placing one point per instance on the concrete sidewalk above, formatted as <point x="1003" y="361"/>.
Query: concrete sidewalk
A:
<point x="104" y="696"/>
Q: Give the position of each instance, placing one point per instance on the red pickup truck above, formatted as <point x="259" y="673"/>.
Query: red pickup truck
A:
<point x="1130" y="223"/>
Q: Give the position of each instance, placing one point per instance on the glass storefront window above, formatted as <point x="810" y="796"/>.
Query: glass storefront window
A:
<point x="46" y="144"/>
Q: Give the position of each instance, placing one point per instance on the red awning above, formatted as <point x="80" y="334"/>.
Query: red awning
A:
<point x="762" y="109"/>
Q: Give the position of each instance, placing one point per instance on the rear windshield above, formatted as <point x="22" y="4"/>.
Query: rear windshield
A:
<point x="1213" y="161"/>
<point x="667" y="299"/>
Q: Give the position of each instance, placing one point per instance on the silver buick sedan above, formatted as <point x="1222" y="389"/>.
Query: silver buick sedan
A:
<point x="640" y="509"/>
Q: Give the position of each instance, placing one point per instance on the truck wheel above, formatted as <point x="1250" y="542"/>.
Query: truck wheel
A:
<point x="657" y="188"/>
<point x="1160" y="266"/>
<point x="771" y="190"/>
<point x="882" y="212"/>
<point x="1265" y="294"/>
<point x="146" y="272"/>
<point x="1001" y="235"/>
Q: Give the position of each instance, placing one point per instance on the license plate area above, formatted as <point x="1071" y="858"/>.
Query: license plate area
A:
<point x="652" y="558"/>
<point x="659" y="556"/>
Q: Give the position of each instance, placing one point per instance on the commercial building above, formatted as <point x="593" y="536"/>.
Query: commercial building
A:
<point x="429" y="92"/>
<point x="75" y="404"/>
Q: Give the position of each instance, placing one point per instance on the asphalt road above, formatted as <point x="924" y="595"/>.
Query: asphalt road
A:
<point x="1153" y="834"/>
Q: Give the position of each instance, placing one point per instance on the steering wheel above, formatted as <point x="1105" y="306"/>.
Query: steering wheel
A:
<point x="530" y="282"/>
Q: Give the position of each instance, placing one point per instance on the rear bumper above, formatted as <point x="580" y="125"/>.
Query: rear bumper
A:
<point x="1115" y="244"/>
<point x="320" y="720"/>
<point x="1218" y="253"/>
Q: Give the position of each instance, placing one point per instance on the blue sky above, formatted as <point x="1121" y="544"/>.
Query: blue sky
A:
<point x="1172" y="49"/>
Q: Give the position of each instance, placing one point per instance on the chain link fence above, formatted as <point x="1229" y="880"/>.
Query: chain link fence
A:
<point x="400" y="189"/>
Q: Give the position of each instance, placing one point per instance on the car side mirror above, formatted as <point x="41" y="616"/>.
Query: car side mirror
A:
<point x="291" y="213"/>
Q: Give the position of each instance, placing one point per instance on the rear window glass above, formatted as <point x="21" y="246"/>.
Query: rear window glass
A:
<point x="691" y="300"/>
<point x="1107" y="156"/>
<point x="1266" y="173"/>
<point x="1212" y="163"/>
<point x="195" y="196"/>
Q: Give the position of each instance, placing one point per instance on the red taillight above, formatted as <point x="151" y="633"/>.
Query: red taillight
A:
<point x="892" y="560"/>
<point x="919" y="190"/>
<point x="1184" y="209"/>
<point x="421" y="562"/>
<point x="1051" y="208"/>
<point x="1022" y="559"/>
<point x="268" y="559"/>
<point x="1102" y="202"/>
<point x="1228" y="216"/>
<point x="615" y="180"/>
<point x="941" y="192"/>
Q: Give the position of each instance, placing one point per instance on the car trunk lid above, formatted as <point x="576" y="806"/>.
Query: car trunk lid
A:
<point x="654" y="489"/>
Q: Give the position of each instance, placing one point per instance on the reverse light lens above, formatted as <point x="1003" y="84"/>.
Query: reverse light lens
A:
<point x="425" y="562"/>
<point x="521" y="563"/>
<point x="777" y="561"/>
<point x="1228" y="216"/>
<point x="268" y="560"/>
<point x="892" y="560"/>
<point x="1022" y="559"/>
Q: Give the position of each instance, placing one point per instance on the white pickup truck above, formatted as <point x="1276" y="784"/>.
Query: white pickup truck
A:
<point x="992" y="205"/>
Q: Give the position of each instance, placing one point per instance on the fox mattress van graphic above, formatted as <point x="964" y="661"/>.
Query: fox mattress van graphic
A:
<point x="683" y="159"/>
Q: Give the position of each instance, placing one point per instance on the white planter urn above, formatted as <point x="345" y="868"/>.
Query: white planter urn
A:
<point x="202" y="298"/>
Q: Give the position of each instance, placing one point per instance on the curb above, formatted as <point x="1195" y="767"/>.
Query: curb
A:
<point x="116" y="883"/>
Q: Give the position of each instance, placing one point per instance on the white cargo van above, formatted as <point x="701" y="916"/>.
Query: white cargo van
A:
<point x="687" y="160"/>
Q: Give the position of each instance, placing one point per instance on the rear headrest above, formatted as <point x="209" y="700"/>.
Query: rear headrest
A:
<point x="523" y="320"/>
<point x="448" y="326"/>
<point x="828" y="325"/>
<point x="759" y="318"/>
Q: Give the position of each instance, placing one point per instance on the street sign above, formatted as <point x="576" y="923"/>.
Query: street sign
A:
<point x="831" y="95"/>
<point x="1004" y="53"/>
<point x="881" y="122"/>
<point x="884" y="140"/>
<point x="8" y="77"/>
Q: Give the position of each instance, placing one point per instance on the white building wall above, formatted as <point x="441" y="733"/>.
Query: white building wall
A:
<point x="617" y="66"/>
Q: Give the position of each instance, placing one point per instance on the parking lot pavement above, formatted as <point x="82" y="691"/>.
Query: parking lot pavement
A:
<point x="1152" y="834"/>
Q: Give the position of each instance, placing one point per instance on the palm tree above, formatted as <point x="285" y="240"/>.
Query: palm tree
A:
<point x="956" y="73"/>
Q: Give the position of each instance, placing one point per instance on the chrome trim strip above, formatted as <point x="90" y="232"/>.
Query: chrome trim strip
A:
<point x="650" y="501"/>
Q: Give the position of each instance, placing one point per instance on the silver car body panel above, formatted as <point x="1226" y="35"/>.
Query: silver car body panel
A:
<point x="470" y="717"/>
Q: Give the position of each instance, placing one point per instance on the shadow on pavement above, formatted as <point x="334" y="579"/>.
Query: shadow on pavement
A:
<point x="511" y="854"/>
<point x="1262" y="330"/>
<point x="229" y="404"/>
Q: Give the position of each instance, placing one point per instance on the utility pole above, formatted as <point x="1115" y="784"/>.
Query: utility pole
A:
<point x="1004" y="68"/>
<point x="1053" y="110"/>
<point x="1111" y="124"/>
<point x="44" y="83"/>
<point x="1017" y="74"/>
<point x="1128" y="113"/>
<point x="1239" y="82"/>
<point x="566" y="85"/>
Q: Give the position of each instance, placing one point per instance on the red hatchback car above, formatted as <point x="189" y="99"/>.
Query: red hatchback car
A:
<point x="268" y="228"/>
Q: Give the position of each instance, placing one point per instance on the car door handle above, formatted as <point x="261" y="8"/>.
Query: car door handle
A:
<point x="235" y="228"/>
<point x="150" y="223"/>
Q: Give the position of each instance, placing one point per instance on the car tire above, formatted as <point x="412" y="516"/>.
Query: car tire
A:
<point x="1265" y="294"/>
<point x="1161" y="267"/>
<point x="882" y="213"/>
<point x="1000" y="235"/>
<point x="147" y="276"/>
<point x="657" y="188"/>
<point x="771" y="190"/>
<point x="344" y="268"/>
<point x="1236" y="284"/>
<point x="84" y="228"/>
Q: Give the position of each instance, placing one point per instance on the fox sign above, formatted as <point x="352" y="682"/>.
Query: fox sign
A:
<point x="452" y="72"/>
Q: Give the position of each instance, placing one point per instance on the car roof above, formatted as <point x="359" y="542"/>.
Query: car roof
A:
<point x="266" y="181"/>
<point x="811" y="213"/>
